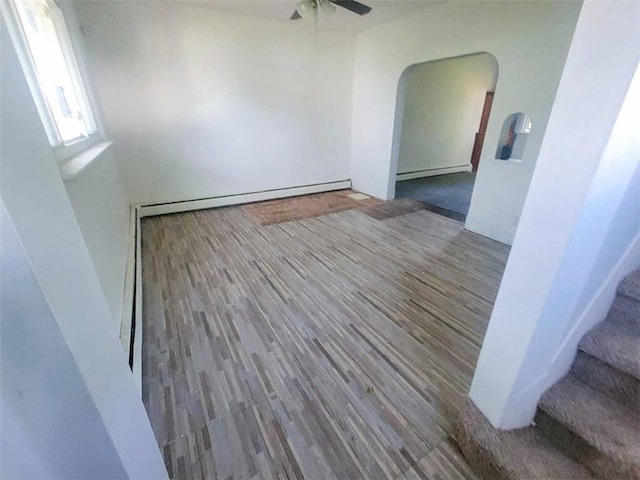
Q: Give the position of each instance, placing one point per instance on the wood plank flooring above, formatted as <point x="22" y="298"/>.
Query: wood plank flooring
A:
<point x="339" y="346"/>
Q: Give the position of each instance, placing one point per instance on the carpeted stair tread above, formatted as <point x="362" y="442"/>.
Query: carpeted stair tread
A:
<point x="630" y="286"/>
<point x="616" y="343"/>
<point x="523" y="454"/>
<point x="514" y="454"/>
<point x="624" y="309"/>
<point x="588" y="424"/>
<point x="610" y="427"/>
<point x="607" y="379"/>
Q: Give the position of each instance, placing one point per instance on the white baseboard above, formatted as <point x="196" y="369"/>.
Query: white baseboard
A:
<point x="432" y="172"/>
<point x="129" y="284"/>
<point x="137" y="339"/>
<point x="132" y="303"/>
<point x="188" y="205"/>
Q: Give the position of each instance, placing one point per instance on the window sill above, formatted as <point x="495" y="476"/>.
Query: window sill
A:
<point x="73" y="167"/>
<point x="512" y="161"/>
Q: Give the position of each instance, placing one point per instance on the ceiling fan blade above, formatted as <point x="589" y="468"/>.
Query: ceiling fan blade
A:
<point x="355" y="7"/>
<point x="295" y="15"/>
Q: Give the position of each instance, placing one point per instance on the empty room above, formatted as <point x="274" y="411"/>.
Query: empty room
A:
<point x="321" y="239"/>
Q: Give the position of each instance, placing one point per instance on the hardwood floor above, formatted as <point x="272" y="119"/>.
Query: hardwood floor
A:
<point x="339" y="346"/>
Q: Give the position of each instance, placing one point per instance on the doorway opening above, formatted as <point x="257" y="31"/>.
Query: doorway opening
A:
<point x="442" y="113"/>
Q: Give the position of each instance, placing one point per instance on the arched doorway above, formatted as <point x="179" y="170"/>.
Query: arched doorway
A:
<point x="442" y="111"/>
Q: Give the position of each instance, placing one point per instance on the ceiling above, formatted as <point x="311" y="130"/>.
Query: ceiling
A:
<point x="342" y="20"/>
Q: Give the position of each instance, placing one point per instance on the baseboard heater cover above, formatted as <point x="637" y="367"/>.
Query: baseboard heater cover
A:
<point x="147" y="210"/>
<point x="432" y="172"/>
<point x="130" y="324"/>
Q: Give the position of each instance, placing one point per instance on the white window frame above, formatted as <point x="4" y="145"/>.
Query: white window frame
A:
<point x="68" y="33"/>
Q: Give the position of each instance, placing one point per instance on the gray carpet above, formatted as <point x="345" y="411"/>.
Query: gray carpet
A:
<point x="587" y="424"/>
<point x="451" y="192"/>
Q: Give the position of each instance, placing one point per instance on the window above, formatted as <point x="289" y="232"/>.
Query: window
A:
<point x="46" y="53"/>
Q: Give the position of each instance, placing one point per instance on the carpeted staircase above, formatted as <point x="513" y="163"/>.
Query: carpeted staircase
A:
<point x="588" y="424"/>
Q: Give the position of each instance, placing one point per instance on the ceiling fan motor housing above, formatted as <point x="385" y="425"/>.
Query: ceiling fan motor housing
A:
<point x="310" y="8"/>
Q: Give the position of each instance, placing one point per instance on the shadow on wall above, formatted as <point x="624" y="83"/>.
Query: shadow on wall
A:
<point x="439" y="113"/>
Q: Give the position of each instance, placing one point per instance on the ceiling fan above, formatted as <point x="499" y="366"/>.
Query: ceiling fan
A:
<point x="310" y="8"/>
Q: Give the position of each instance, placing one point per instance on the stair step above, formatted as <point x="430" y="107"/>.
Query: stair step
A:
<point x="630" y="286"/>
<point x="624" y="308"/>
<point x="606" y="426"/>
<point x="523" y="454"/>
<point x="616" y="340"/>
<point x="609" y="380"/>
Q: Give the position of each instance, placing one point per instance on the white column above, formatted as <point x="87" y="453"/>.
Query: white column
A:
<point x="571" y="205"/>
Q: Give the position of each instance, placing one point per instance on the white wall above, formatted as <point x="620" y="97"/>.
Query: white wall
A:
<point x="580" y="226"/>
<point x="530" y="41"/>
<point x="443" y="103"/>
<point x="202" y="103"/>
<point x="102" y="211"/>
<point x="45" y="224"/>
<point x="49" y="427"/>
<point x="98" y="196"/>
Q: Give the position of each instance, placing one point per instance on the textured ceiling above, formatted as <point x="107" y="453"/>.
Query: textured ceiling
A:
<point x="342" y="20"/>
